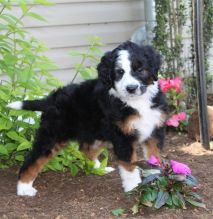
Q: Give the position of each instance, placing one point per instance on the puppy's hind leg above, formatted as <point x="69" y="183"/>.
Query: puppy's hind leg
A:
<point x="92" y="151"/>
<point x="43" y="150"/>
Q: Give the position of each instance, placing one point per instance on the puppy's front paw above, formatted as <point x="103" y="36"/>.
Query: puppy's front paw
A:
<point x="109" y="169"/>
<point x="130" y="179"/>
<point x="25" y="189"/>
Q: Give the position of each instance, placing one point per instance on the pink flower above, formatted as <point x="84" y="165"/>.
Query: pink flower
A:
<point x="165" y="85"/>
<point x="180" y="168"/>
<point x="154" y="160"/>
<point x="182" y="116"/>
<point x="173" y="121"/>
<point x="176" y="83"/>
<point x="176" y="118"/>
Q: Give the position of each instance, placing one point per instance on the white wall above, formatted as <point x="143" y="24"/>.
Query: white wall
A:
<point x="69" y="22"/>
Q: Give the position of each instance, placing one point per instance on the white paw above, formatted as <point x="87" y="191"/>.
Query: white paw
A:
<point x="97" y="164"/>
<point x="26" y="189"/>
<point x="109" y="169"/>
<point x="130" y="179"/>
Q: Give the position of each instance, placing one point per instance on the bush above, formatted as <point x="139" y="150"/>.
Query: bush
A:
<point x="27" y="77"/>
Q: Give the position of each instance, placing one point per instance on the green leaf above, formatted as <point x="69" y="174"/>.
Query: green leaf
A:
<point x="196" y="195"/>
<point x="3" y="150"/>
<point x="191" y="180"/>
<point x="169" y="200"/>
<point x="23" y="7"/>
<point x="19" y="157"/>
<point x="161" y="199"/>
<point x="55" y="165"/>
<point x="23" y="146"/>
<point x="195" y="203"/>
<point x="118" y="212"/>
<point x="162" y="181"/>
<point x="149" y="179"/>
<point x="36" y="16"/>
<point x="3" y="96"/>
<point x="44" y="2"/>
<point x="181" y="200"/>
<point x="5" y="124"/>
<point x="104" y="162"/>
<point x="175" y="200"/>
<point x="153" y="195"/>
<point x="73" y="169"/>
<point x="11" y="147"/>
<point x="14" y="136"/>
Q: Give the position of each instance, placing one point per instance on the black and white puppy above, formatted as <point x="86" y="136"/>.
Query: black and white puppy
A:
<point x="124" y="106"/>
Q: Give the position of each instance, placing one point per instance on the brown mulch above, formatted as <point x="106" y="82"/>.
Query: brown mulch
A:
<point x="62" y="196"/>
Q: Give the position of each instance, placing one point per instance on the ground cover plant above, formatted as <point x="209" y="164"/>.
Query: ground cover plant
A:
<point x="167" y="183"/>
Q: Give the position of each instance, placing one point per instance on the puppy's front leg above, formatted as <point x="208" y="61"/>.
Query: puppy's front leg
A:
<point x="129" y="172"/>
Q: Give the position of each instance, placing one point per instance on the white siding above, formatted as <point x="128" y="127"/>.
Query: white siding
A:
<point x="70" y="22"/>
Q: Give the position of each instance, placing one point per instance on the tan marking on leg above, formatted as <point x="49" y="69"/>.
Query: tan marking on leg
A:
<point x="94" y="150"/>
<point x="130" y="166"/>
<point x="127" y="125"/>
<point x="150" y="148"/>
<point x="32" y="171"/>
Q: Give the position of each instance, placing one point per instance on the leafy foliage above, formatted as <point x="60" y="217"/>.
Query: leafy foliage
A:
<point x="91" y="56"/>
<point x="170" y="19"/>
<point x="25" y="75"/>
<point x="161" y="186"/>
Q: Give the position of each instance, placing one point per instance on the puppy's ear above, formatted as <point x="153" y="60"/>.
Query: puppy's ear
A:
<point x="105" y="68"/>
<point x="154" y="59"/>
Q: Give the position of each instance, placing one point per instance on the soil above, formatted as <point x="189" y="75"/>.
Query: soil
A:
<point x="62" y="196"/>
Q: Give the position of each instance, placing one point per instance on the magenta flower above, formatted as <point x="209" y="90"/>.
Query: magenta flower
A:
<point x="176" y="83"/>
<point x="167" y="84"/>
<point x="182" y="116"/>
<point x="175" y="119"/>
<point x="180" y="168"/>
<point x="154" y="160"/>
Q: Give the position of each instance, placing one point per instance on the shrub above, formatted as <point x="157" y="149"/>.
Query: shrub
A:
<point x="27" y="77"/>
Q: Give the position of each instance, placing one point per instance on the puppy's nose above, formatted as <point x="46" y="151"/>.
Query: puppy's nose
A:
<point x="132" y="88"/>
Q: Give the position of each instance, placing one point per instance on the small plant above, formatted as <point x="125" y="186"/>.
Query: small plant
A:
<point x="167" y="183"/>
<point x="118" y="212"/>
<point x="27" y="77"/>
<point x="175" y="94"/>
<point x="92" y="56"/>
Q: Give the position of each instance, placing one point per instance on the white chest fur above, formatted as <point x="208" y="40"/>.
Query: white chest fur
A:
<point x="150" y="117"/>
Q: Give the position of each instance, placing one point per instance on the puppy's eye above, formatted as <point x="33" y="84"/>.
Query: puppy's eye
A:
<point x="139" y="69"/>
<point x="120" y="71"/>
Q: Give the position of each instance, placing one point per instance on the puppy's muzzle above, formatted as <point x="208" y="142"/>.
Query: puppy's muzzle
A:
<point x="132" y="88"/>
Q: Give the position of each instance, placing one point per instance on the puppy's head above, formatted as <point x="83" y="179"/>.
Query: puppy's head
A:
<point x="129" y="69"/>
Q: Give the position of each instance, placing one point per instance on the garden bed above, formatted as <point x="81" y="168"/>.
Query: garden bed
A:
<point x="63" y="196"/>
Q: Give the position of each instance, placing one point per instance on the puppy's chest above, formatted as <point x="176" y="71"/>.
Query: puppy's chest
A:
<point x="148" y="119"/>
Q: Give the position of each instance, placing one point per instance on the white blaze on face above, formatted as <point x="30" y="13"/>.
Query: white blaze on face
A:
<point x="124" y="63"/>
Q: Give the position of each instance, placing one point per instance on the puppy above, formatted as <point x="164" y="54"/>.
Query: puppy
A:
<point x="124" y="106"/>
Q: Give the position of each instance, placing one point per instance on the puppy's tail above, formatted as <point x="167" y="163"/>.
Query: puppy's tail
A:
<point x="33" y="105"/>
